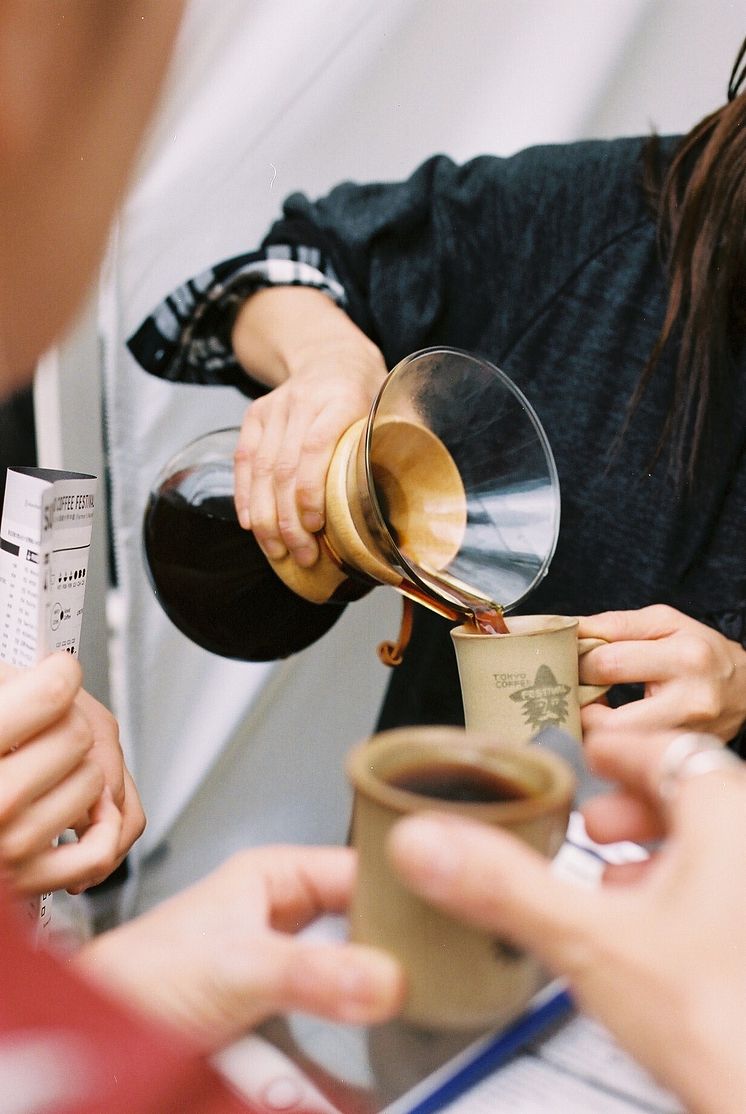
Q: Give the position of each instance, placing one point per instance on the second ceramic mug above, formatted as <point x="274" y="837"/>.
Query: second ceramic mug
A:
<point x="458" y="976"/>
<point x="518" y="683"/>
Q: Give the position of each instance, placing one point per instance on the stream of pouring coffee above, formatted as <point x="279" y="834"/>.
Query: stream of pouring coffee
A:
<point x="490" y="622"/>
<point x="465" y="605"/>
<point x="484" y="618"/>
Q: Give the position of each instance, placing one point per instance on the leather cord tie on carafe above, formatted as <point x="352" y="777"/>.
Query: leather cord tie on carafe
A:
<point x="357" y="585"/>
<point x="392" y="653"/>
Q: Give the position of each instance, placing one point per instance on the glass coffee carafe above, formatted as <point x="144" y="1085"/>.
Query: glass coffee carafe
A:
<point x="447" y="491"/>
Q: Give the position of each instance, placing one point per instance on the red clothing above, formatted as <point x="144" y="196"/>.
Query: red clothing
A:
<point x="67" y="1049"/>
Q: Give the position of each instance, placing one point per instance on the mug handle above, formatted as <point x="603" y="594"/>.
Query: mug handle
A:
<point x="588" y="693"/>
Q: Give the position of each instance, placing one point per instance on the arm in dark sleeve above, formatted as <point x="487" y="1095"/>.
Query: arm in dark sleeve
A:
<point x="417" y="259"/>
<point x="463" y="255"/>
<point x="403" y="259"/>
<point x="187" y="338"/>
<point x="468" y="255"/>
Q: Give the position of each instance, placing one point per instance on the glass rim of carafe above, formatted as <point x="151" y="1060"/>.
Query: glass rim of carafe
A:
<point x="183" y="453"/>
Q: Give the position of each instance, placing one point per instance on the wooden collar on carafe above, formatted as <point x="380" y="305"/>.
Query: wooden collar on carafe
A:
<point x="357" y="585"/>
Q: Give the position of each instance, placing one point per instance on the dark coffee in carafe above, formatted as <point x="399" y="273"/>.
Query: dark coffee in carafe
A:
<point x="214" y="583"/>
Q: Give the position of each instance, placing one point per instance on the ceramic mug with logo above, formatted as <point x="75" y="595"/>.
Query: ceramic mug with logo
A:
<point x="516" y="684"/>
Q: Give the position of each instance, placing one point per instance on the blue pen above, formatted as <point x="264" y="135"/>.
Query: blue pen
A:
<point x="498" y="1050"/>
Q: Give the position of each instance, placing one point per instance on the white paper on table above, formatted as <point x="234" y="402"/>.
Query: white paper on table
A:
<point x="578" y="1070"/>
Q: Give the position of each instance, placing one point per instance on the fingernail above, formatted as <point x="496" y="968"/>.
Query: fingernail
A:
<point x="354" y="986"/>
<point x="282" y="1093"/>
<point x="275" y="550"/>
<point x="305" y="556"/>
<point x="362" y="990"/>
<point x="312" y="521"/>
<point x="244" y="518"/>
<point x="423" y="852"/>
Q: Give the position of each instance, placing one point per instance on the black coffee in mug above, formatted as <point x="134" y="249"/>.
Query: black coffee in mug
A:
<point x="450" y="780"/>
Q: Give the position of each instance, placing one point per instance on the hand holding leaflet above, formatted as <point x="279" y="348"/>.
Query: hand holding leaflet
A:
<point x="62" y="765"/>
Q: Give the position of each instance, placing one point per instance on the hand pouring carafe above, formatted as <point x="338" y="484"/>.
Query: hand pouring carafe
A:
<point x="447" y="491"/>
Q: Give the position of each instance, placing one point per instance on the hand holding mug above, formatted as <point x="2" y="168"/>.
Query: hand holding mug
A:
<point x="659" y="961"/>
<point x="694" y="680"/>
<point x="223" y="954"/>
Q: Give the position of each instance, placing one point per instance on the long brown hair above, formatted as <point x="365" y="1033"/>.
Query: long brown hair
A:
<point x="700" y="203"/>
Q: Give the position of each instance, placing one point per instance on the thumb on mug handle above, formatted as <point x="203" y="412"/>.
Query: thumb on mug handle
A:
<point x="588" y="693"/>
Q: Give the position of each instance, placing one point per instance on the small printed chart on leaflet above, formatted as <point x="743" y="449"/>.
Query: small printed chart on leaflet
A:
<point x="45" y="537"/>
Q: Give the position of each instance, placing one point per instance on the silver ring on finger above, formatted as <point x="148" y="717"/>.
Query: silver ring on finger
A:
<point x="689" y="755"/>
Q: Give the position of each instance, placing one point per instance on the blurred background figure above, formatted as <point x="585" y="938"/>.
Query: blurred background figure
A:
<point x="71" y="123"/>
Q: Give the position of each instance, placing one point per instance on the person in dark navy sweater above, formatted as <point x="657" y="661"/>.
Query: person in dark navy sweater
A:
<point x="607" y="279"/>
